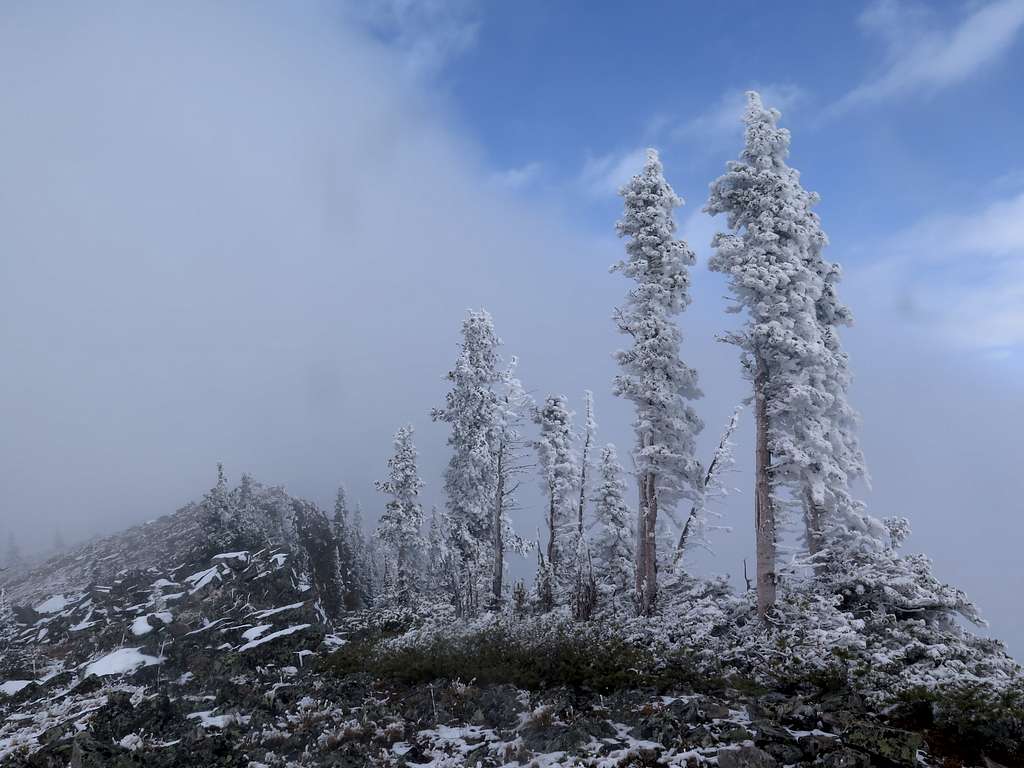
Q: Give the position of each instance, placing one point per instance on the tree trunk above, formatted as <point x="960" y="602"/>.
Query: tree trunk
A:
<point x="650" y="591"/>
<point x="641" y="534"/>
<point x="583" y="481"/>
<point x="499" y="541"/>
<point x="552" y="548"/>
<point x="813" y="515"/>
<point x="764" y="510"/>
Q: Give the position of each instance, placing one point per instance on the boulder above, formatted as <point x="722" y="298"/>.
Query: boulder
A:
<point x="890" y="744"/>
<point x="746" y="756"/>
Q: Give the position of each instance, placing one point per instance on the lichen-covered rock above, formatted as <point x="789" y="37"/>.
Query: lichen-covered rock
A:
<point x="746" y="756"/>
<point x="891" y="744"/>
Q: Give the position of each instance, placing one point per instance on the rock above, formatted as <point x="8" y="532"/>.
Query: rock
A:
<point x="745" y="756"/>
<point x="178" y="629"/>
<point x="815" y="744"/>
<point x="891" y="744"/>
<point x="553" y="737"/>
<point x="846" y="758"/>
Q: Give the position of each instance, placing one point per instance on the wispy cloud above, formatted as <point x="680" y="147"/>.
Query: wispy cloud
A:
<point x="720" y="124"/>
<point x="605" y="174"/>
<point x="962" y="275"/>
<point x="429" y="33"/>
<point x="924" y="57"/>
<point x="517" y="178"/>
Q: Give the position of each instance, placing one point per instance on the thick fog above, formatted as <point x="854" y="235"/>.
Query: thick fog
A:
<point x="250" y="237"/>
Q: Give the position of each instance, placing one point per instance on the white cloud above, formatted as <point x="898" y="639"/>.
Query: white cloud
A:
<point x="606" y="174"/>
<point x="517" y="178"/>
<point x="961" y="276"/>
<point x="921" y="57"/>
<point x="719" y="125"/>
<point x="429" y="33"/>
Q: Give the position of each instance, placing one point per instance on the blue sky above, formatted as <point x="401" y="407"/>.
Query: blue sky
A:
<point x="906" y="119"/>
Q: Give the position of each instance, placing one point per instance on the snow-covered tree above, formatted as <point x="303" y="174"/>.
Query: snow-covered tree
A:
<point x="362" y="557"/>
<point x="402" y="520"/>
<point x="471" y="408"/>
<point x="613" y="546"/>
<point x="319" y="550"/>
<point x="773" y="259"/>
<point x="341" y="527"/>
<point x="653" y="376"/>
<point x="509" y="444"/>
<point x="559" y="475"/>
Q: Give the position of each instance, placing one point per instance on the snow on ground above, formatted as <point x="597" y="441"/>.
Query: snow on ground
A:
<point x="274" y="636"/>
<point x="255" y="632"/>
<point x="282" y="609"/>
<point x="141" y="625"/>
<point x="209" y="720"/>
<point x="55" y="604"/>
<point x="202" y="578"/>
<point x="120" y="662"/>
<point x="11" y="687"/>
<point x="244" y="556"/>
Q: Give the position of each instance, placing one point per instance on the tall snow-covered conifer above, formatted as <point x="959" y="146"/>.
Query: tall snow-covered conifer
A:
<point x="653" y="375"/>
<point x="806" y="439"/>
<point x="613" y="531"/>
<point x="559" y="475"/>
<point x="474" y="411"/>
<point x="403" y="516"/>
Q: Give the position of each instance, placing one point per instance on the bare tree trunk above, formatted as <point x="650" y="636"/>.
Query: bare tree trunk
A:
<point x="552" y="548"/>
<point x="499" y="541"/>
<point x="813" y="515"/>
<point x="764" y="510"/>
<point x="641" y="535"/>
<point x="649" y="595"/>
<point x="583" y="481"/>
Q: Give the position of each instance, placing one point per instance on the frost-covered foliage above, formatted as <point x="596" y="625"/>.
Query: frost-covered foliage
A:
<point x="559" y="476"/>
<point x="612" y="531"/>
<point x="653" y="376"/>
<point x="348" y="568"/>
<point x="474" y="412"/>
<point x="773" y="258"/>
<point x="471" y="408"/>
<point x="402" y="520"/>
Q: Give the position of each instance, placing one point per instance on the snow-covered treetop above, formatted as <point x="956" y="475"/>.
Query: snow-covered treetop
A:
<point x="773" y="258"/>
<point x="653" y="376"/>
<point x="403" y="517"/>
<point x="472" y="410"/>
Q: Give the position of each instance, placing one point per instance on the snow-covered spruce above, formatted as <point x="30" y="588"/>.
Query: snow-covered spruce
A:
<point x="653" y="375"/>
<point x="402" y="520"/>
<point x="559" y="469"/>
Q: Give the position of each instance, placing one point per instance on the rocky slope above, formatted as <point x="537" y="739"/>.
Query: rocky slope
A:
<point x="148" y="649"/>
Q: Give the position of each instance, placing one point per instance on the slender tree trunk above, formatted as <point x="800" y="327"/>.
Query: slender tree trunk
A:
<point x="499" y="541"/>
<point x="813" y="515"/>
<point x="552" y="548"/>
<point x="764" y="511"/>
<point x="650" y="591"/>
<point x="641" y="535"/>
<point x="583" y="481"/>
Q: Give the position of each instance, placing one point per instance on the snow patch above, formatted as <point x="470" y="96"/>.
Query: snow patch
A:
<point x="274" y="636"/>
<point x="11" y="687"/>
<point x="120" y="662"/>
<point x="55" y="604"/>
